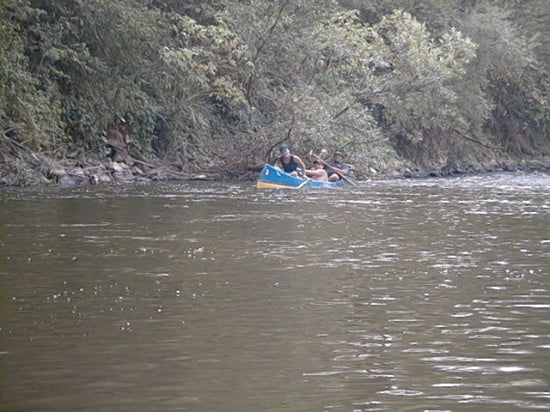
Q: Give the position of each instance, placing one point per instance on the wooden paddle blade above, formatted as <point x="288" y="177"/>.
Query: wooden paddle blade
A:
<point x="348" y="180"/>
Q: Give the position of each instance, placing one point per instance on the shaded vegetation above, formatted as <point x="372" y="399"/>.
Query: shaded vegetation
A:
<point x="213" y="87"/>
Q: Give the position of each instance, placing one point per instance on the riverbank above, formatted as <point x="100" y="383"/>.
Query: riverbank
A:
<point x="40" y="170"/>
<point x="534" y="164"/>
<point x="35" y="169"/>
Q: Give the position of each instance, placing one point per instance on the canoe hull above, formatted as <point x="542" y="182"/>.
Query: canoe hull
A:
<point x="272" y="178"/>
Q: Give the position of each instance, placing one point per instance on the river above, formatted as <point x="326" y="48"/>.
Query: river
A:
<point x="395" y="295"/>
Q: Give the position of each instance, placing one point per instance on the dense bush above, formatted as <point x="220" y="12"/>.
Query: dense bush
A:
<point x="217" y="85"/>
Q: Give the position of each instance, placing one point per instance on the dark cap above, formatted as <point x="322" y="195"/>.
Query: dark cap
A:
<point x="339" y="152"/>
<point x="283" y="147"/>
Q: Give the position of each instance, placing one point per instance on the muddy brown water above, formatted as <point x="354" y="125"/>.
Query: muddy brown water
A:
<point x="394" y="295"/>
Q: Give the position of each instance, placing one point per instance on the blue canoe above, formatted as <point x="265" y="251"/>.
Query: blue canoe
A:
<point x="272" y="178"/>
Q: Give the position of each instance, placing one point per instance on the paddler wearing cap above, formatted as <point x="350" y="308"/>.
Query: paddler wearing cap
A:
<point x="337" y="166"/>
<point x="289" y="162"/>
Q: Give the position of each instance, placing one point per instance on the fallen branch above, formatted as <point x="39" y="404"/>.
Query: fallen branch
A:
<point x="14" y="142"/>
<point x="459" y="133"/>
<point x="140" y="162"/>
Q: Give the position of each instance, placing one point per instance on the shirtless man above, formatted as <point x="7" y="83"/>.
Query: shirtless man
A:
<point x="318" y="173"/>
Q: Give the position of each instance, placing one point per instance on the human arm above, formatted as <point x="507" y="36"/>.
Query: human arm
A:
<point x="317" y="174"/>
<point x="342" y="170"/>
<point x="301" y="164"/>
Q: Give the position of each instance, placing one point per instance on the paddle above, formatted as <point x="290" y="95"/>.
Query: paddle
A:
<point x="342" y="176"/>
<point x="303" y="183"/>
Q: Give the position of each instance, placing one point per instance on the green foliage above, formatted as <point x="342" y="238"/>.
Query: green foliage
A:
<point x="422" y="102"/>
<point x="218" y="84"/>
<point x="396" y="67"/>
<point x="508" y="71"/>
<point x="27" y="108"/>
<point x="500" y="94"/>
<point x="200" y="80"/>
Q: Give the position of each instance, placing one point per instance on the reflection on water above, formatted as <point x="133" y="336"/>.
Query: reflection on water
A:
<point x="424" y="294"/>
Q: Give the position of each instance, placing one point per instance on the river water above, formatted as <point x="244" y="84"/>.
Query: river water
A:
<point x="394" y="295"/>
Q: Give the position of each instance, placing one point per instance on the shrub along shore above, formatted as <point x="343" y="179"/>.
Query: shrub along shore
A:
<point x="102" y="91"/>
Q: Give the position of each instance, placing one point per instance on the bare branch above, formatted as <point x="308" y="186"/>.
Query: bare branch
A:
<point x="287" y="137"/>
<point x="13" y="142"/>
<point x="459" y="133"/>
<point x="341" y="112"/>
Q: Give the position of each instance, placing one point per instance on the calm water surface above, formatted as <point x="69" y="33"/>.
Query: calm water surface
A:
<point x="395" y="295"/>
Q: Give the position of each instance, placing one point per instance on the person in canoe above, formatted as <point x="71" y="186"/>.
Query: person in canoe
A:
<point x="318" y="173"/>
<point x="289" y="162"/>
<point x="337" y="167"/>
